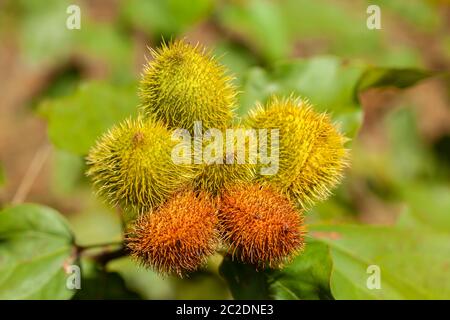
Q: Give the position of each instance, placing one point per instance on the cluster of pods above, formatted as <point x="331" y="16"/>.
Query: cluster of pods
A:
<point x="183" y="212"/>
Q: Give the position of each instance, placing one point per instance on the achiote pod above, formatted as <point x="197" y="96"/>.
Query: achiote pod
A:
<point x="311" y="150"/>
<point x="179" y="236"/>
<point x="184" y="84"/>
<point x="260" y="225"/>
<point x="131" y="165"/>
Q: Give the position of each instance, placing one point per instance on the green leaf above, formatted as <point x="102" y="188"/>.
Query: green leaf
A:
<point x="376" y="77"/>
<point x="423" y="15"/>
<point x="42" y="31"/>
<point x="185" y="13"/>
<point x="99" y="284"/>
<point x="148" y="283"/>
<point x="68" y="172"/>
<point x="75" y="121"/>
<point x="96" y="223"/>
<point x="330" y="83"/>
<point x="109" y="45"/>
<point x="244" y="281"/>
<point x="257" y="86"/>
<point x="35" y="246"/>
<point x="327" y="82"/>
<point x="201" y="285"/>
<point x="429" y="205"/>
<point x="307" y="277"/>
<point x="235" y="58"/>
<point x="413" y="263"/>
<point x="261" y="23"/>
<point x="331" y="27"/>
<point x="166" y="18"/>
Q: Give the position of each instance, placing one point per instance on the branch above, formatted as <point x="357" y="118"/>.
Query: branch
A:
<point x="104" y="257"/>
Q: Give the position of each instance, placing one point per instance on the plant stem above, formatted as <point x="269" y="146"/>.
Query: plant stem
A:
<point x="104" y="257"/>
<point x="99" y="245"/>
<point x="106" y="254"/>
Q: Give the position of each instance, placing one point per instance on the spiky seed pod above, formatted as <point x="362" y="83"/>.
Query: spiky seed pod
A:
<point x="232" y="166"/>
<point x="312" y="156"/>
<point x="184" y="84"/>
<point x="261" y="226"/>
<point x="131" y="165"/>
<point x="214" y="177"/>
<point x="179" y="236"/>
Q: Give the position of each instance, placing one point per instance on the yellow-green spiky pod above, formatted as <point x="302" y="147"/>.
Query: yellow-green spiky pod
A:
<point x="312" y="156"/>
<point x="131" y="165"/>
<point x="183" y="84"/>
<point x="214" y="176"/>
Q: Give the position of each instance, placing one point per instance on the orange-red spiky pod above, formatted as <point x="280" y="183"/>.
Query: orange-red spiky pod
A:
<point x="261" y="226"/>
<point x="179" y="236"/>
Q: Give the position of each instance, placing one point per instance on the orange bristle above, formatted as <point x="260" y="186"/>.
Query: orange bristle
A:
<point x="261" y="226"/>
<point x="179" y="236"/>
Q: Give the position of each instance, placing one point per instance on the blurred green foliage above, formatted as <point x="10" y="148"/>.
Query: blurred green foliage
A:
<point x="99" y="284"/>
<point x="164" y="18"/>
<point x="77" y="120"/>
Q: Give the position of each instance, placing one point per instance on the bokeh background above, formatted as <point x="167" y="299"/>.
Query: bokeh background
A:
<point x="400" y="155"/>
